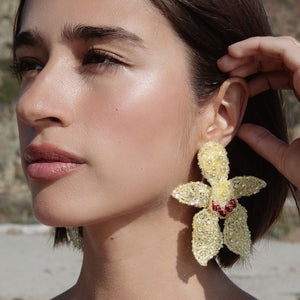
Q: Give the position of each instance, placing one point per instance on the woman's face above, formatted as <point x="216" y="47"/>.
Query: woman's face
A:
<point x="106" y="114"/>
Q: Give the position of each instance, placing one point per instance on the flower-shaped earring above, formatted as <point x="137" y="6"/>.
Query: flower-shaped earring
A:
<point x="74" y="237"/>
<point x="218" y="201"/>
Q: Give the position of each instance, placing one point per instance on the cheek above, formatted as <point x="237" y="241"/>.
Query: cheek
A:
<point x="26" y="134"/>
<point x="138" y="128"/>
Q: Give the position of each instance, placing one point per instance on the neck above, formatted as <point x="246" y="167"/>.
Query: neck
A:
<point x="135" y="257"/>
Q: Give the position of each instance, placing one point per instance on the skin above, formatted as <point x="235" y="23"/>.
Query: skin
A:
<point x="133" y="119"/>
<point x="278" y="61"/>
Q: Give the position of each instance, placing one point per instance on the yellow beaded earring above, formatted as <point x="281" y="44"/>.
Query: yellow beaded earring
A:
<point x="218" y="201"/>
<point x="75" y="238"/>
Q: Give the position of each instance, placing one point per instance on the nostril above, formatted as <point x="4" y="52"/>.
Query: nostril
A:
<point x="53" y="119"/>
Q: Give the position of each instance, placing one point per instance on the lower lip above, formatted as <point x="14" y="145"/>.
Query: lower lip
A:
<point x="50" y="170"/>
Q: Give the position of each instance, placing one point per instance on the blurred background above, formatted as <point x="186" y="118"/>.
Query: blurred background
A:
<point x="15" y="204"/>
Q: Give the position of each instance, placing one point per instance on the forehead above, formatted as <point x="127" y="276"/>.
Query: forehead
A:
<point x="137" y="16"/>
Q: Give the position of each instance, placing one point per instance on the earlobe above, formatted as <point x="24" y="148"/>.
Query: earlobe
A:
<point x="229" y="105"/>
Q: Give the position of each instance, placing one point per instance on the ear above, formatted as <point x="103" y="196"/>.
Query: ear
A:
<point x="227" y="110"/>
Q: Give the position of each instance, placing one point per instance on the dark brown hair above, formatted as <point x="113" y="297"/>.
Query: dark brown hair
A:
<point x="208" y="27"/>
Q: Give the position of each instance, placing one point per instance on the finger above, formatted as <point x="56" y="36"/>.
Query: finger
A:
<point x="267" y="81"/>
<point x="296" y="81"/>
<point x="228" y="63"/>
<point x="285" y="48"/>
<point x="260" y="65"/>
<point x="265" y="144"/>
<point x="291" y="162"/>
<point x="246" y="66"/>
<point x="285" y="158"/>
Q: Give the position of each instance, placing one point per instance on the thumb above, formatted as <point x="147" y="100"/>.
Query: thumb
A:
<point x="264" y="143"/>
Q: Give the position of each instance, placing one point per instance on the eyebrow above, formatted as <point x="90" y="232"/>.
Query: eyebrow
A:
<point x="80" y="32"/>
<point x="26" y="38"/>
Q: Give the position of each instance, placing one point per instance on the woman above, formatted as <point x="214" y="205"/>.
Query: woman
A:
<point x="117" y="97"/>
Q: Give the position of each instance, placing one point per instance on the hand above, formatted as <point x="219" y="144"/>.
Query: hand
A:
<point x="277" y="59"/>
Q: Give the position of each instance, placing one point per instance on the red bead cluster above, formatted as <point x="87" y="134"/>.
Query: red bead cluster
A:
<point x="223" y="212"/>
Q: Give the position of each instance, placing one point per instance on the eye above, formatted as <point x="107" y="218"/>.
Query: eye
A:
<point x="100" y="60"/>
<point x="26" y="66"/>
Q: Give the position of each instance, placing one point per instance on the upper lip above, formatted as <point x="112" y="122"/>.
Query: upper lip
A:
<point x="49" y="153"/>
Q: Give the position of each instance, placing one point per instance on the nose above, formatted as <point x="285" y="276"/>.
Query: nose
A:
<point x="47" y="100"/>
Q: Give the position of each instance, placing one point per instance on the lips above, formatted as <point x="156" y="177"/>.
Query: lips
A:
<point x="46" y="162"/>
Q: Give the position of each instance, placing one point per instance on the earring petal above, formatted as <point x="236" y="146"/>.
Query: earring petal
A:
<point x="246" y="185"/>
<point x="193" y="193"/>
<point x="207" y="236"/>
<point x="236" y="233"/>
<point x="214" y="163"/>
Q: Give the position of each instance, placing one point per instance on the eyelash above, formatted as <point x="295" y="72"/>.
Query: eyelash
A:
<point x="101" y="61"/>
<point x="94" y="61"/>
<point x="25" y="64"/>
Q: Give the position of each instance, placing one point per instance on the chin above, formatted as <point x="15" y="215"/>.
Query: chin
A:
<point x="63" y="212"/>
<point x="53" y="219"/>
<point x="55" y="212"/>
<point x="63" y="205"/>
